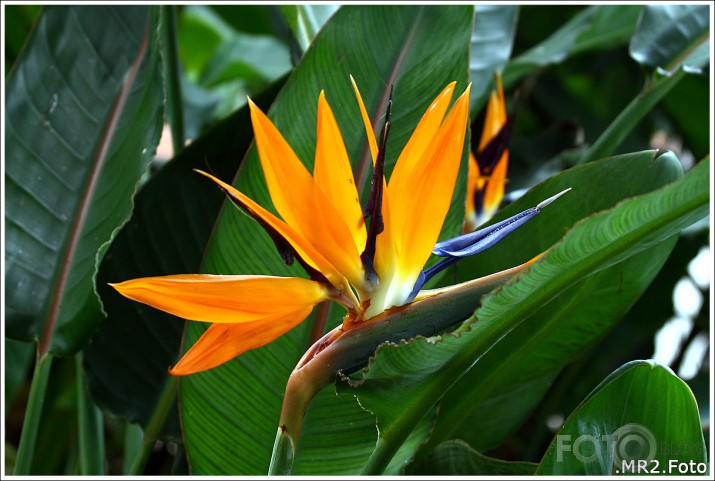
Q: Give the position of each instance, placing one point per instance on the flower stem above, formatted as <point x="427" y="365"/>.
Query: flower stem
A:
<point x="91" y="427"/>
<point x="33" y="414"/>
<point x="132" y="445"/>
<point x="153" y="428"/>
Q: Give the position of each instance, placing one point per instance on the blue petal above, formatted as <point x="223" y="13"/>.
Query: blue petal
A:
<point x="482" y="239"/>
<point x="477" y="241"/>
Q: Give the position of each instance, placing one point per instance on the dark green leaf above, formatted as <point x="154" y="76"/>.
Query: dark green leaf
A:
<point x="457" y="458"/>
<point x="552" y="50"/>
<point x="174" y="213"/>
<point x="19" y="20"/>
<point x="611" y="26"/>
<point x="641" y="412"/>
<point x="17" y="363"/>
<point x="667" y="35"/>
<point x="492" y="40"/>
<point x="595" y="27"/>
<point x="83" y="117"/>
<point x="240" y="401"/>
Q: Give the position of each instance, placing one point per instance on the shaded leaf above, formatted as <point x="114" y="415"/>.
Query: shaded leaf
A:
<point x="17" y="359"/>
<point x="491" y="44"/>
<point x="597" y="26"/>
<point x="642" y="411"/>
<point x="83" y="116"/>
<point x="667" y="35"/>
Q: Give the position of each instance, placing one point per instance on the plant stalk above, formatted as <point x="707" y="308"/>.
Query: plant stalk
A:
<point x="33" y="414"/>
<point x="153" y="428"/>
<point x="91" y="428"/>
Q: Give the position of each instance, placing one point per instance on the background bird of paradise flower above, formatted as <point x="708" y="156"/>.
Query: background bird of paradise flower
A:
<point x="592" y="82"/>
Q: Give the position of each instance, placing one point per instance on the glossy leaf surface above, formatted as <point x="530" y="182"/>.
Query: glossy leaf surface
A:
<point x="642" y="419"/>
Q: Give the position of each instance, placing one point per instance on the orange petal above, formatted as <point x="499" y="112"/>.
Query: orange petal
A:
<point x="304" y="248"/>
<point x="423" y="134"/>
<point x="494" y="189"/>
<point x="223" y="342"/>
<point x="225" y="299"/>
<point x="419" y="198"/>
<point x="301" y="203"/>
<point x="495" y="117"/>
<point x="474" y="183"/>
<point x="334" y="175"/>
<point x="371" y="140"/>
<point x="402" y="176"/>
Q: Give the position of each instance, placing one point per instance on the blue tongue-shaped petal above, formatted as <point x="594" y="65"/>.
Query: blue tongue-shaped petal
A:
<point x="477" y="241"/>
<point x="482" y="239"/>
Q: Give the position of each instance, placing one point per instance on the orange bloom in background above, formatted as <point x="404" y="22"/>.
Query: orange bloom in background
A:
<point x="488" y="168"/>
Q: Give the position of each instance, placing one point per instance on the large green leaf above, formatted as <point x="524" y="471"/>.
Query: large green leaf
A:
<point x="127" y="360"/>
<point x="641" y="412"/>
<point x="672" y="35"/>
<point x="230" y="414"/>
<point x="492" y="40"/>
<point x="420" y="372"/>
<point x="83" y="117"/>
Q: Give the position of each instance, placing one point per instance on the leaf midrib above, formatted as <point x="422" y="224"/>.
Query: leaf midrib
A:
<point x="85" y="200"/>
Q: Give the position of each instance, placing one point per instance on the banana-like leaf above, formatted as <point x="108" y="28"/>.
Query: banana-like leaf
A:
<point x="642" y="419"/>
<point x="83" y="117"/>
<point x="669" y="36"/>
<point x="230" y="413"/>
<point x="126" y="362"/>
<point x="594" y="244"/>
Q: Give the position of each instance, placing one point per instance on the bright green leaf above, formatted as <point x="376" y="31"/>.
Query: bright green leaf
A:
<point x="641" y="412"/>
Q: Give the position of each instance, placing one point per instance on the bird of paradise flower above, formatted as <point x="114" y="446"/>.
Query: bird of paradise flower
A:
<point x="488" y="162"/>
<point x="367" y="261"/>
